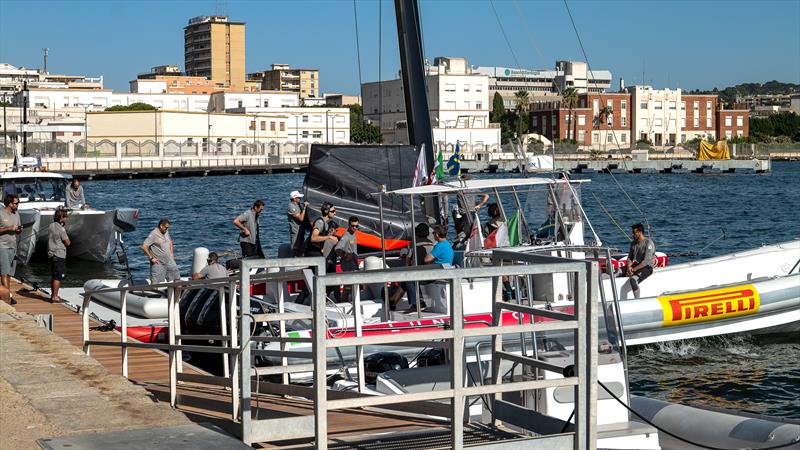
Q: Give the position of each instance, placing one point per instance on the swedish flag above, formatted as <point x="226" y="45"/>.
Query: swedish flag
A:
<point x="454" y="163"/>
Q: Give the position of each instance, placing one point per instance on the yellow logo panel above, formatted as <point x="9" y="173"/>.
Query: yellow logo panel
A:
<point x="713" y="304"/>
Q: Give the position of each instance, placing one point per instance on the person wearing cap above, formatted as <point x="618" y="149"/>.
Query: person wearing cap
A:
<point x="247" y="223"/>
<point x="213" y="270"/>
<point x="159" y="249"/>
<point x="297" y="219"/>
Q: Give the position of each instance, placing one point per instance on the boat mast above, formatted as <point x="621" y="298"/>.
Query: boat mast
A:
<point x="412" y="65"/>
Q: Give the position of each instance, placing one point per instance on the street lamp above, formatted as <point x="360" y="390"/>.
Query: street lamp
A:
<point x="327" y="140"/>
<point x="86" y="126"/>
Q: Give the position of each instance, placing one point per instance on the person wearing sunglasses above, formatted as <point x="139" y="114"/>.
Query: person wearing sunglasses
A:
<point x="10" y="228"/>
<point x="213" y="270"/>
<point x="347" y="248"/>
<point x="320" y="231"/>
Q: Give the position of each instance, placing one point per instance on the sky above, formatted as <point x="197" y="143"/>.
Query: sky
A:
<point x="670" y="43"/>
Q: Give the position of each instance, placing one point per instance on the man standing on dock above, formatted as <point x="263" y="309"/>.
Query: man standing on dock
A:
<point x="160" y="251"/>
<point x="57" y="243"/>
<point x="297" y="219"/>
<point x="10" y="228"/>
<point x="75" y="198"/>
<point x="247" y="223"/>
<point x="640" y="258"/>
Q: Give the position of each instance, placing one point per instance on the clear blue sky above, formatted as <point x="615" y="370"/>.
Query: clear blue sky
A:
<point x="693" y="44"/>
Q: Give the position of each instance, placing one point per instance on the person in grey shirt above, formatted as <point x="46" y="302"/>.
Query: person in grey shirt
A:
<point x="10" y="228"/>
<point x="75" y="198"/>
<point x="297" y="219"/>
<point x="160" y="251"/>
<point x="57" y="243"/>
<point x="640" y="258"/>
<point x="247" y="223"/>
<point x="213" y="270"/>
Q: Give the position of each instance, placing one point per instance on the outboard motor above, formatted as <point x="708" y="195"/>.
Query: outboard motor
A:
<point x="125" y="219"/>
<point x="377" y="363"/>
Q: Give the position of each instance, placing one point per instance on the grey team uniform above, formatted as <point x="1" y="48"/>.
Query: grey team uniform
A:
<point x="75" y="198"/>
<point x="159" y="245"/>
<point x="297" y="239"/>
<point x="348" y="248"/>
<point x="641" y="251"/>
<point x="214" y="270"/>
<point x="8" y="241"/>
<point x="56" y="250"/>
<point x="251" y="245"/>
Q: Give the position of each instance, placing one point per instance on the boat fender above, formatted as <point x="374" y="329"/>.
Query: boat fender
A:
<point x="568" y="371"/>
<point x="199" y="259"/>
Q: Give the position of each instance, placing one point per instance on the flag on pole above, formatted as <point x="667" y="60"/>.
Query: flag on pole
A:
<point x="497" y="238"/>
<point x="438" y="169"/>
<point x="421" y="171"/>
<point x="513" y="230"/>
<point x="454" y="163"/>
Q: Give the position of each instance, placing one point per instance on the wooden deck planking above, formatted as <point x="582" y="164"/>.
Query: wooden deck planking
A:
<point x="149" y="368"/>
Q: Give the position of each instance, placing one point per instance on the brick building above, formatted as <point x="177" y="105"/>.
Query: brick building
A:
<point x="732" y="123"/>
<point x="591" y="127"/>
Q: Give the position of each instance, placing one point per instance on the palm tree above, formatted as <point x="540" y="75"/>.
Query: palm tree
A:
<point x="523" y="100"/>
<point x="570" y="99"/>
<point x="602" y="119"/>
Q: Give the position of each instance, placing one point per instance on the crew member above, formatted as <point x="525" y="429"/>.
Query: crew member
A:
<point x="249" y="238"/>
<point x="640" y="258"/>
<point x="442" y="252"/>
<point x="75" y="198"/>
<point x="10" y="228"/>
<point x="495" y="219"/>
<point x="213" y="270"/>
<point x="296" y="215"/>
<point x="347" y="247"/>
<point x="57" y="243"/>
<point x="160" y="251"/>
<point x="424" y="246"/>
<point x="320" y="233"/>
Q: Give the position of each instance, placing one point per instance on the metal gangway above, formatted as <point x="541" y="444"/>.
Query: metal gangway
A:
<point x="311" y="352"/>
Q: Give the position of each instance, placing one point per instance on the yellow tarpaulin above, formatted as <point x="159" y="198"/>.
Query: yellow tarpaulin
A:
<point x="713" y="151"/>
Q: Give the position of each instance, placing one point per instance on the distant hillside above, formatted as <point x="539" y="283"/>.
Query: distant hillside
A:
<point x="728" y="95"/>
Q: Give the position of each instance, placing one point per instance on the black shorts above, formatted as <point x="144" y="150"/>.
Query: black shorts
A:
<point x="639" y="276"/>
<point x="251" y="250"/>
<point x="58" y="267"/>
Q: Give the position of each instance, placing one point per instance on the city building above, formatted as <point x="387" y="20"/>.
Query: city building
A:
<point x="794" y="103"/>
<point x="308" y="124"/>
<point x="342" y="99"/>
<point x="543" y="85"/>
<point x="214" y="48"/>
<point x="281" y="77"/>
<point x="458" y="101"/>
<point x="732" y="123"/>
<point x="12" y="80"/>
<point x="601" y="120"/>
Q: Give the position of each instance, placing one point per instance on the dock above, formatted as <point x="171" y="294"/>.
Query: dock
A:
<point x="621" y="166"/>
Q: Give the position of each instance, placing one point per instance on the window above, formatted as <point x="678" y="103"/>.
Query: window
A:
<point x="739" y="121"/>
<point x="581" y="136"/>
<point x="596" y="105"/>
<point x="478" y="88"/>
<point x="581" y="120"/>
<point x="305" y="134"/>
<point x="623" y="121"/>
<point x="683" y="106"/>
<point x="449" y="87"/>
<point x="683" y="122"/>
<point x="683" y="137"/>
<point x="708" y="105"/>
<point x="317" y="134"/>
<point x="263" y="125"/>
<point x="305" y="119"/>
<point x="623" y="104"/>
<point x="708" y="122"/>
<point x="478" y="105"/>
<point x="696" y="105"/>
<point x="266" y="103"/>
<point x="283" y="126"/>
<point x="272" y="126"/>
<point x="672" y="106"/>
<point x="657" y="123"/>
<point x="609" y="138"/>
<point x="535" y="121"/>
<point x="610" y="103"/>
<point x="240" y="103"/>
<point x="466" y="88"/>
<point x="696" y="122"/>
<point x="659" y="106"/>
<point x="728" y="121"/>
<point x="466" y="104"/>
<point x="595" y="138"/>
<point x="623" y="138"/>
<point x="642" y="105"/>
<point x="450" y="105"/>
<point x="252" y="125"/>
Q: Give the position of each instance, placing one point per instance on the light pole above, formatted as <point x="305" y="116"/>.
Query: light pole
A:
<point x="5" y="128"/>
<point x="208" y="139"/>
<point x="327" y="140"/>
<point x="85" y="126"/>
<point x="24" y="118"/>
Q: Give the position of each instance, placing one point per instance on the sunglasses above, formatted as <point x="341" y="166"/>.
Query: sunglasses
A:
<point x="333" y="210"/>
<point x="355" y="226"/>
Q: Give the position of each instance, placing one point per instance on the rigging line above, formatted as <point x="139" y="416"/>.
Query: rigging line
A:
<point x="608" y="213"/>
<point x="380" y="61"/>
<point x="600" y="95"/>
<point x="358" y="46"/>
<point x="536" y="48"/>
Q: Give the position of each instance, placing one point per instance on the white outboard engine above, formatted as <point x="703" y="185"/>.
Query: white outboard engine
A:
<point x="199" y="259"/>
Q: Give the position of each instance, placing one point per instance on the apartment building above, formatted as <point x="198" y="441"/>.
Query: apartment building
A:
<point x="543" y="86"/>
<point x="599" y="120"/>
<point x="281" y="77"/>
<point x="732" y="123"/>
<point x="458" y="101"/>
<point x="214" y="47"/>
<point x="12" y="80"/>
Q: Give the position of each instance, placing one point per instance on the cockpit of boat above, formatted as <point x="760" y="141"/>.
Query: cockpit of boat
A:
<point x="36" y="189"/>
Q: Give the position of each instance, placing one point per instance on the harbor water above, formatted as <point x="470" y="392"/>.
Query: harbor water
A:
<point x="710" y="214"/>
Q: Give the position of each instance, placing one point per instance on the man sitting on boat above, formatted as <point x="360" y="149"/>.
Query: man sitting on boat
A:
<point x="640" y="258"/>
<point x="213" y="269"/>
<point x="75" y="197"/>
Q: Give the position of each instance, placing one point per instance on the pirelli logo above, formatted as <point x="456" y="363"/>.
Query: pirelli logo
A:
<point x="714" y="304"/>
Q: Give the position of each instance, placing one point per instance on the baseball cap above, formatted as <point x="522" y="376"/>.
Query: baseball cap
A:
<point x="295" y="194"/>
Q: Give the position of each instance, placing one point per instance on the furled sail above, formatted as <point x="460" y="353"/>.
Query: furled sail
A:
<point x="713" y="151"/>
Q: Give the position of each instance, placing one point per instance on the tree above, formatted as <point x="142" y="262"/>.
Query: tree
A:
<point x="138" y="106"/>
<point x="523" y="101"/>
<point x="570" y="100"/>
<point x="361" y="131"/>
<point x="498" y="108"/>
<point x="602" y="119"/>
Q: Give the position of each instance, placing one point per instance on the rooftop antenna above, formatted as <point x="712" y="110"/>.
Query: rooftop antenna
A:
<point x="45" y="51"/>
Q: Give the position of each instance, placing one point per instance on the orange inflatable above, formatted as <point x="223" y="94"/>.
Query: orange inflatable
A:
<point x="372" y="241"/>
